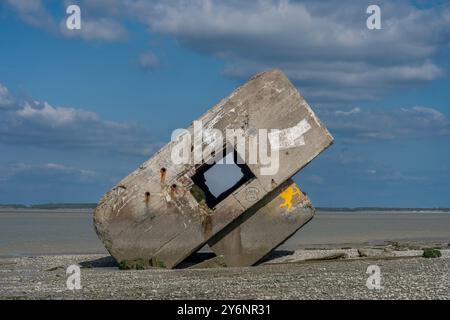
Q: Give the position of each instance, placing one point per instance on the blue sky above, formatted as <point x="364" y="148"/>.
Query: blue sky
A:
<point x="80" y="109"/>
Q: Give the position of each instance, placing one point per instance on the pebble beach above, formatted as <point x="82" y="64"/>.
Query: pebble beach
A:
<point x="44" y="277"/>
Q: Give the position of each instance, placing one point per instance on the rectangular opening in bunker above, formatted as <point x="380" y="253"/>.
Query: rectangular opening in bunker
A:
<point x="214" y="182"/>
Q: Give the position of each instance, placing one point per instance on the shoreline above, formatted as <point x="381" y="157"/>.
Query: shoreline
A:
<point x="399" y="244"/>
<point x="32" y="232"/>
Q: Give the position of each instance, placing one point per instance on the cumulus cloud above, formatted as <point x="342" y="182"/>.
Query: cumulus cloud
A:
<point x="110" y="8"/>
<point x="55" y="116"/>
<point x="323" y="46"/>
<point x="318" y="44"/>
<point x="295" y="31"/>
<point x="104" y="29"/>
<point x="99" y="26"/>
<point x="357" y="125"/>
<point x="41" y="124"/>
<point x="33" y="13"/>
<point x="5" y="98"/>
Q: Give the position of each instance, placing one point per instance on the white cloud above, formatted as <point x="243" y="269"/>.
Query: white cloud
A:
<point x="82" y="174"/>
<point x="33" y="13"/>
<point x="54" y="116"/>
<point x="323" y="46"/>
<point x="318" y="44"/>
<point x="41" y="124"/>
<point x="5" y="98"/>
<point x="98" y="27"/>
<point x="295" y="31"/>
<point x="148" y="61"/>
<point x="347" y="113"/>
<point x="357" y="125"/>
<point x="104" y="29"/>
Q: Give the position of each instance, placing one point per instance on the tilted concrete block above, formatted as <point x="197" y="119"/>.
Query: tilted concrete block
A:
<point x="162" y="212"/>
<point x="263" y="227"/>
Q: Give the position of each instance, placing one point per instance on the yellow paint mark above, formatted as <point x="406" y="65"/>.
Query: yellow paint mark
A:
<point x="288" y="194"/>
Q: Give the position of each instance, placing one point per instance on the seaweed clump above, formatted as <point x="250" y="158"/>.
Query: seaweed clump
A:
<point x="431" y="253"/>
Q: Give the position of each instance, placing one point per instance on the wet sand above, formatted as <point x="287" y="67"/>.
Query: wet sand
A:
<point x="36" y="232"/>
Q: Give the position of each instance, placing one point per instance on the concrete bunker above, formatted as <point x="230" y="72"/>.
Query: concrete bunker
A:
<point x="164" y="211"/>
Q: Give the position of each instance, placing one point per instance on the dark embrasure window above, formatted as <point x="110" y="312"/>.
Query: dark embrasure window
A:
<point x="214" y="182"/>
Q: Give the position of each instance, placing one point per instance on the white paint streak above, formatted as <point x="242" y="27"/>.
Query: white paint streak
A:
<point x="290" y="137"/>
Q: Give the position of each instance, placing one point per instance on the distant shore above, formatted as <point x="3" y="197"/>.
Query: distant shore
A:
<point x="54" y="206"/>
<point x="49" y="206"/>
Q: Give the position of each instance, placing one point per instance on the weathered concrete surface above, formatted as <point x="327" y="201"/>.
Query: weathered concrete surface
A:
<point x="263" y="227"/>
<point x="152" y="218"/>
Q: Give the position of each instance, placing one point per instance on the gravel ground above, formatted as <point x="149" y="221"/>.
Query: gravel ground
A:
<point x="44" y="277"/>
